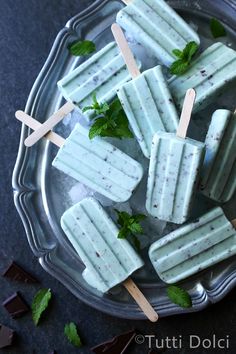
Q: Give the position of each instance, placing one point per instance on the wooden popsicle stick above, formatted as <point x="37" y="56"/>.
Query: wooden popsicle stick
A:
<point x="233" y="222"/>
<point x="34" y="124"/>
<point x="186" y="113"/>
<point x="141" y="300"/>
<point x="125" y="50"/>
<point x="49" y="124"/>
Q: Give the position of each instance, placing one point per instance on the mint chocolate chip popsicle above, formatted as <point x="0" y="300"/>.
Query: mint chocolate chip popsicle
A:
<point x="194" y="247"/>
<point x="95" y="163"/>
<point x="146" y="99"/>
<point x="101" y="75"/>
<point x="208" y="75"/>
<point x="108" y="259"/>
<point x="218" y="178"/>
<point x="174" y="170"/>
<point x="157" y="27"/>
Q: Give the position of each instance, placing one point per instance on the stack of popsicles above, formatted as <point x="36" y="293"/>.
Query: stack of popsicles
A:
<point x="178" y="165"/>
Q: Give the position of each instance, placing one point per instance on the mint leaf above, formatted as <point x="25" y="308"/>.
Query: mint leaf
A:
<point x="71" y="333"/>
<point x="98" y="127"/>
<point x="177" y="53"/>
<point x="99" y="108"/>
<point x="217" y="29"/>
<point x="110" y="122"/>
<point x="189" y="51"/>
<point x="130" y="226"/>
<point x="179" y="296"/>
<point x="121" y="128"/>
<point x="136" y="228"/>
<point x="181" y="65"/>
<point x="80" y="48"/>
<point x="40" y="303"/>
<point x="122" y="233"/>
<point x="122" y="217"/>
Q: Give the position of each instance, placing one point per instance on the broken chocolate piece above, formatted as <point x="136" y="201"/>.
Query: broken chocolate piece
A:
<point x="15" y="272"/>
<point x="16" y="306"/>
<point x="117" y="345"/>
<point x="6" y="336"/>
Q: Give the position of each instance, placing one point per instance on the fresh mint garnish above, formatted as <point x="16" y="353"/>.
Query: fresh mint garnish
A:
<point x="130" y="226"/>
<point x="110" y="120"/>
<point x="98" y="108"/>
<point x="71" y="333"/>
<point x="217" y="29"/>
<point x="181" y="65"/>
<point x="80" y="48"/>
<point x="40" y="303"/>
<point x="179" y="296"/>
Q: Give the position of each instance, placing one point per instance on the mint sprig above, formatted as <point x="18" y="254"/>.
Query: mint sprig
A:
<point x="98" y="108"/>
<point x="181" y="65"/>
<point x="81" y="48"/>
<point x="72" y="335"/>
<point x="40" y="303"/>
<point x="217" y="29"/>
<point x="130" y="226"/>
<point x="110" y="120"/>
<point x="179" y="296"/>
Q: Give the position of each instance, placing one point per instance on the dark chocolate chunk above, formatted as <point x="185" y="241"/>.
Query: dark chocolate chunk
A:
<point x="117" y="345"/>
<point x="15" y="272"/>
<point x="16" y="306"/>
<point x="6" y="336"/>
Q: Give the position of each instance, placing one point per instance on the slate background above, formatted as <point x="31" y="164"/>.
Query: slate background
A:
<point x="27" y="31"/>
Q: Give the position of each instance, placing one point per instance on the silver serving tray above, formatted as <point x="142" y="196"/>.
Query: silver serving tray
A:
<point x="42" y="193"/>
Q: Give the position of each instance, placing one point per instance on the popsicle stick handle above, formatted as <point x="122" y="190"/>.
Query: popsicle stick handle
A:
<point x="125" y="50"/>
<point x="141" y="300"/>
<point x="186" y="113"/>
<point x="49" y="124"/>
<point x="34" y="124"/>
<point x="233" y="222"/>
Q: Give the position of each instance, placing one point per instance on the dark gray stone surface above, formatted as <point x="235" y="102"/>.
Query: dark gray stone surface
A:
<point x="27" y="31"/>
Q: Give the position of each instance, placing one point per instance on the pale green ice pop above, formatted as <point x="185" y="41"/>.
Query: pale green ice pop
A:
<point x="208" y="75"/>
<point x="173" y="175"/>
<point x="157" y="27"/>
<point x="149" y="107"/>
<point x="99" y="165"/>
<point x="101" y="74"/>
<point x="146" y="99"/>
<point x="95" y="163"/>
<point x="218" y="179"/>
<point x="108" y="259"/>
<point x="174" y="171"/>
<point x="194" y="247"/>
